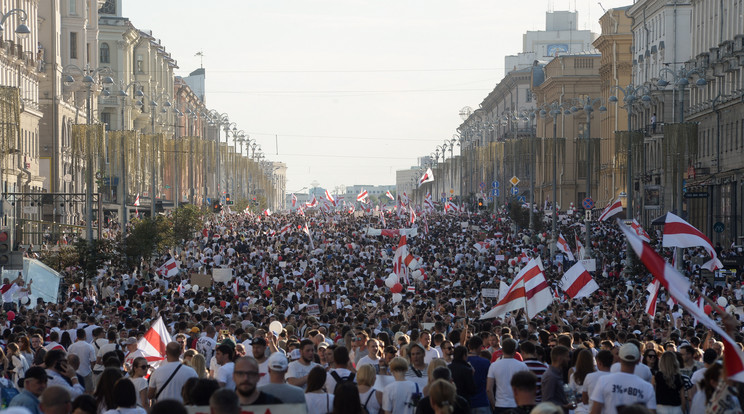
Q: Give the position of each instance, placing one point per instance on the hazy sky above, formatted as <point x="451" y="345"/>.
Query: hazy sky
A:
<point x="352" y="90"/>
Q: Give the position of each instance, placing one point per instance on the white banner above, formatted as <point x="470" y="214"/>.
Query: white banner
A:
<point x="490" y="293"/>
<point x="590" y="264"/>
<point x="220" y="274"/>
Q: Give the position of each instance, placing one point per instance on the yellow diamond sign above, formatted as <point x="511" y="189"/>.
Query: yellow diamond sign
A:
<point x="514" y="181"/>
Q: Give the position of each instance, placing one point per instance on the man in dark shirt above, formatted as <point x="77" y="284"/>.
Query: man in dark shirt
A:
<point x="524" y="387"/>
<point x="479" y="400"/>
<point x="552" y="380"/>
<point x="462" y="373"/>
<point x="246" y="378"/>
<point x="461" y="404"/>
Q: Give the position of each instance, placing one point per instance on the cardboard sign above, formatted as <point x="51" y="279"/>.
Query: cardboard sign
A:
<point x="201" y="280"/>
<point x="313" y="309"/>
<point x="220" y="274"/>
<point x="500" y="258"/>
<point x="256" y="409"/>
<point x="590" y="264"/>
<point x="490" y="293"/>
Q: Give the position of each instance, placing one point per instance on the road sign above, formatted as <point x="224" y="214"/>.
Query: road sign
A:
<point x="490" y="198"/>
<point x="496" y="192"/>
<point x="514" y="181"/>
<point x="515" y="190"/>
<point x="521" y="199"/>
<point x="444" y="194"/>
<point x="452" y="191"/>
<point x="482" y="185"/>
<point x="495" y="184"/>
<point x="718" y="227"/>
<point x="442" y="199"/>
<point x="588" y="203"/>
<point x="588" y="215"/>
<point x="209" y="201"/>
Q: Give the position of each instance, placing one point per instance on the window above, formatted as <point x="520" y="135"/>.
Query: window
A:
<point x="104" y="52"/>
<point x="140" y="68"/>
<point x="73" y="7"/>
<point x="106" y="119"/>
<point x="73" y="45"/>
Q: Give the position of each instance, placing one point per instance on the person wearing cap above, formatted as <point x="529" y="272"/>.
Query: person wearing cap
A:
<point x="624" y="387"/>
<point x="287" y="393"/>
<point x="299" y="369"/>
<point x="87" y="355"/>
<point x="34" y="383"/>
<point x="225" y="355"/>
<point x="641" y="370"/>
<point x="258" y="346"/>
<point x="132" y="352"/>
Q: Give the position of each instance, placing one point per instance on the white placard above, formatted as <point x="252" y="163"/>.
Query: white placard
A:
<point x="500" y="258"/>
<point x="220" y="274"/>
<point x="490" y="293"/>
<point x="463" y="224"/>
<point x="590" y="264"/>
<point x="313" y="309"/>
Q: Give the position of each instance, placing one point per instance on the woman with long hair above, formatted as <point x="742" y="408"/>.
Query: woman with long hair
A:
<point x="200" y="365"/>
<point x="125" y="398"/>
<point x="318" y="400"/>
<point x="651" y="360"/>
<point x="434" y="364"/>
<point x="370" y="398"/>
<point x="670" y="390"/>
<point x="65" y="340"/>
<point x="442" y="395"/>
<point x="346" y="399"/>
<point x="104" y="392"/>
<point x="18" y="363"/>
<point x="24" y="345"/>
<point x="584" y="366"/>
<point x="3" y="364"/>
<point x="137" y="376"/>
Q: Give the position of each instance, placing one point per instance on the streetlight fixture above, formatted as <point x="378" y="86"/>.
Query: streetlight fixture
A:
<point x="89" y="76"/>
<point x="21" y="30"/>
<point x="164" y="98"/>
<point x="630" y="96"/>
<point x="553" y="110"/>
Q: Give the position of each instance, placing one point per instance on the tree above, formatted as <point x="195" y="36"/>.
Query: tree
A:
<point x="146" y="236"/>
<point x="186" y="220"/>
<point x="521" y="216"/>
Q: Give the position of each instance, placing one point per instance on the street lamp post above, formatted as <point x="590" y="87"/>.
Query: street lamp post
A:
<point x="630" y="95"/>
<point x="89" y="81"/>
<point x="554" y="110"/>
<point x="680" y="79"/>
<point x="122" y="103"/>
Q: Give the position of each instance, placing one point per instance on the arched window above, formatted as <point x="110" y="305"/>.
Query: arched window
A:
<point x="105" y="56"/>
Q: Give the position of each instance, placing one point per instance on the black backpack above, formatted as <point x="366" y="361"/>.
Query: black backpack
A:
<point x="340" y="380"/>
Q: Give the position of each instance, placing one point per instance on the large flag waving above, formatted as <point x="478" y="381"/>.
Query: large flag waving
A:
<point x="577" y="282"/>
<point x="679" y="233"/>
<point x="611" y="210"/>
<point x="362" y="196"/>
<point x="653" y="295"/>
<point x="294" y="200"/>
<point x="330" y="198"/>
<point x="152" y="345"/>
<point x="312" y="203"/>
<point x="678" y="286"/>
<point x="529" y="290"/>
<point x="426" y="178"/>
<point x="389" y="195"/>
<point x="564" y="247"/>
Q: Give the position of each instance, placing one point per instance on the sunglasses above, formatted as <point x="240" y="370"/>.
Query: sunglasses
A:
<point x="651" y="356"/>
<point x="144" y="366"/>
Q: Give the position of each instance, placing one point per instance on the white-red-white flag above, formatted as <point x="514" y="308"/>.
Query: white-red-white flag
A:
<point x="482" y="246"/>
<point x="382" y="220"/>
<point x="294" y="200"/>
<point x="579" y="247"/>
<point x="362" y="195"/>
<point x="404" y="199"/>
<point x="611" y="210"/>
<point x="411" y="289"/>
<point x="264" y="281"/>
<point x="528" y="291"/>
<point x="330" y="198"/>
<point x="577" y="282"/>
<point x="426" y="178"/>
<point x="312" y="203"/>
<point x="152" y="345"/>
<point x="267" y="212"/>
<point x="679" y="233"/>
<point x="429" y="202"/>
<point x="653" y="295"/>
<point x="169" y="268"/>
<point x="137" y="201"/>
<point x="300" y="211"/>
<point x="285" y="229"/>
<point x="412" y="215"/>
<point x="565" y="248"/>
<point x="678" y="287"/>
<point x="639" y="231"/>
<point x="389" y="195"/>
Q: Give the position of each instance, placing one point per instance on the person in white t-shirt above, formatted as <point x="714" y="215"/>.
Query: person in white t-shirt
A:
<point x="225" y="355"/>
<point x="87" y="355"/>
<point x="499" y="376"/>
<point x="373" y="355"/>
<point x="624" y="387"/>
<point x="400" y="396"/>
<point x="163" y="389"/>
<point x="604" y="360"/>
<point x="298" y="370"/>
<point x="429" y="352"/>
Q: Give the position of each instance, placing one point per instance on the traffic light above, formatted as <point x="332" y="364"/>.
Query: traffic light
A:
<point x="4" y="247"/>
<point x="216" y="206"/>
<point x="254" y="201"/>
<point x="227" y="199"/>
<point x="481" y="206"/>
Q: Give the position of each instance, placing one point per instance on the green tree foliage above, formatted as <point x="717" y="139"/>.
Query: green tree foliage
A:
<point x="186" y="220"/>
<point x="521" y="216"/>
<point x="147" y="236"/>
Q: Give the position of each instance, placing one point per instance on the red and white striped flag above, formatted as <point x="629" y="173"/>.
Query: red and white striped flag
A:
<point x="482" y="247"/>
<point x="653" y="290"/>
<point x="404" y="199"/>
<point x="426" y="178"/>
<point x="267" y="212"/>
<point x="152" y="345"/>
<point x="565" y="248"/>
<point x="529" y="291"/>
<point x="639" y="231"/>
<point x="579" y="247"/>
<point x="312" y="203"/>
<point x="294" y="200"/>
<point x="577" y="282"/>
<point x="390" y="195"/>
<point x="362" y="196"/>
<point x="679" y="233"/>
<point x="678" y="287"/>
<point x="428" y="202"/>
<point x="411" y="289"/>
<point x="285" y="229"/>
<point x="330" y="198"/>
<point x="412" y="217"/>
<point x="403" y="260"/>
<point x="264" y="279"/>
<point x="236" y="287"/>
<point x="300" y="211"/>
<point x="137" y="201"/>
<point x="382" y="220"/>
<point x="611" y="210"/>
<point x="169" y="268"/>
<point x="351" y="209"/>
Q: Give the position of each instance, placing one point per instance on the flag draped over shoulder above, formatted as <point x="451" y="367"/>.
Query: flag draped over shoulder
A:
<point x="678" y="287"/>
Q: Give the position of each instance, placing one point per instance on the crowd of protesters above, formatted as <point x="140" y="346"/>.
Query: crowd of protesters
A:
<point x="347" y="344"/>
